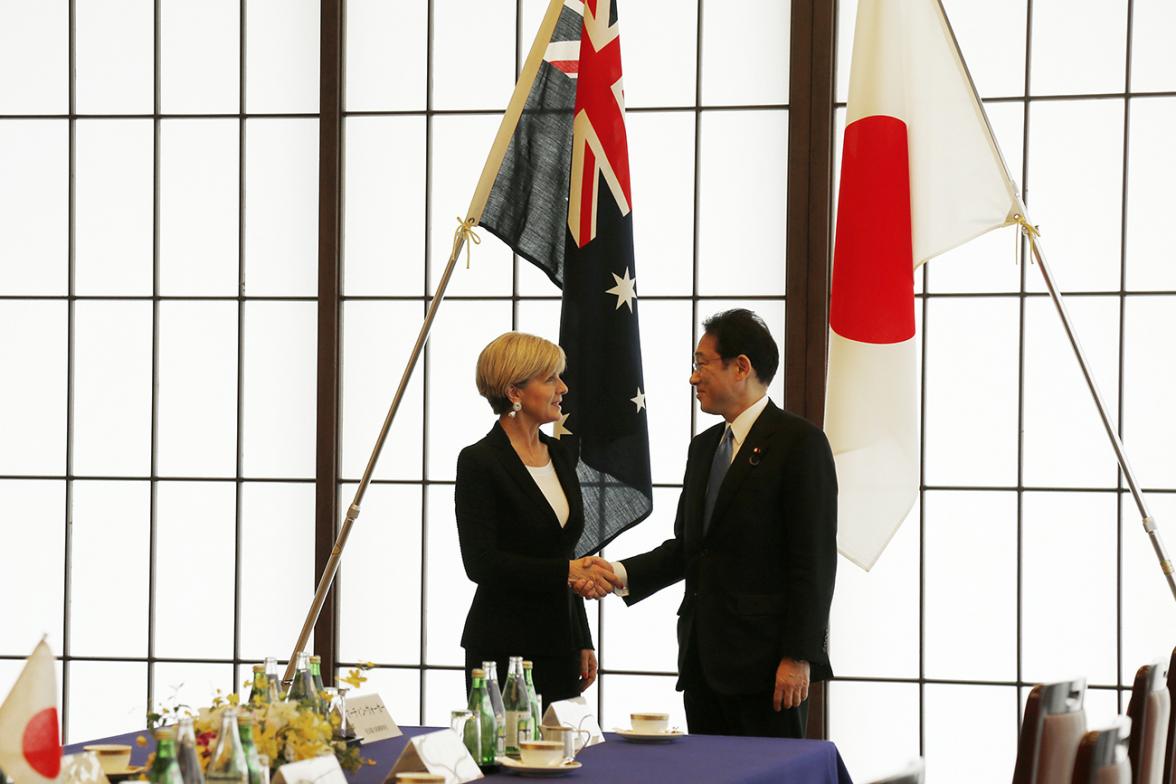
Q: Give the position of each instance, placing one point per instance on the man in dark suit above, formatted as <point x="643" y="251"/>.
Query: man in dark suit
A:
<point x="754" y="539"/>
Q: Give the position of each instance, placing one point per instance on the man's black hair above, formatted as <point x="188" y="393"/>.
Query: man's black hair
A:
<point x="739" y="331"/>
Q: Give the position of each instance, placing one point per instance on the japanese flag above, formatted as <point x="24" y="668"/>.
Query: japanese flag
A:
<point x="920" y="175"/>
<point x="30" y="738"/>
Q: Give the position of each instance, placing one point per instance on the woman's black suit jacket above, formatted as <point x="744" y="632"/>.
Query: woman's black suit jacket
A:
<point x="513" y="547"/>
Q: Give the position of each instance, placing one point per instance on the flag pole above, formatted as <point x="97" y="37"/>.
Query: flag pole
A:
<point x="463" y="235"/>
<point x="1149" y="522"/>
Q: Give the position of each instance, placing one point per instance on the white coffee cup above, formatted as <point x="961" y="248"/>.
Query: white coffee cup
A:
<point x="650" y="722"/>
<point x="572" y="739"/>
<point x="541" y="753"/>
<point x="113" y="757"/>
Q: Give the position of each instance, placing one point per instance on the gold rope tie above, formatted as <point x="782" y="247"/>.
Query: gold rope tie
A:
<point x="1028" y="229"/>
<point x="465" y="231"/>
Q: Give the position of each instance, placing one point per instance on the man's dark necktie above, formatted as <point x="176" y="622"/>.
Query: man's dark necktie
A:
<point x="719" y="465"/>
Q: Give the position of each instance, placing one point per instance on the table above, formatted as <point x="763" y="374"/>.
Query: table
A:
<point x="693" y="758"/>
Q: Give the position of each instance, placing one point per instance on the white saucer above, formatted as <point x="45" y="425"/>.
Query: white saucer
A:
<point x="651" y="737"/>
<point x="515" y="766"/>
<point x="125" y="773"/>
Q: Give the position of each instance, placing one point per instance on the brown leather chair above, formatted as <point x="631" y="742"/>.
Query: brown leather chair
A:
<point x="1149" y="710"/>
<point x="1169" y="772"/>
<point x="1102" y="756"/>
<point x="1051" y="728"/>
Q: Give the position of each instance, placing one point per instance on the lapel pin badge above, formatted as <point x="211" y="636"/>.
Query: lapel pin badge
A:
<point x="757" y="455"/>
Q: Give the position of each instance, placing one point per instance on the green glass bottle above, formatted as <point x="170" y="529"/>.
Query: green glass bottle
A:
<point x="228" y="765"/>
<point x="316" y="675"/>
<point x="481" y="734"/>
<point x="302" y="688"/>
<point x="536" y="708"/>
<point x="259" y="694"/>
<point x="245" y="726"/>
<point x="518" y="707"/>
<point x="165" y="769"/>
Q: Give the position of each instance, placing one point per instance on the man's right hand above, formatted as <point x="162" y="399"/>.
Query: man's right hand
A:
<point x="592" y="577"/>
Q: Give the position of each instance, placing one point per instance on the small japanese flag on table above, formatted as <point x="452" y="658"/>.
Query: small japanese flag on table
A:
<point x="30" y="736"/>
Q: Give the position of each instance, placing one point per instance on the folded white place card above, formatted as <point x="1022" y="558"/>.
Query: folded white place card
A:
<point x="370" y="719"/>
<point x="440" y="752"/>
<point x="83" y="768"/>
<point x="317" y="770"/>
<point x="575" y="713"/>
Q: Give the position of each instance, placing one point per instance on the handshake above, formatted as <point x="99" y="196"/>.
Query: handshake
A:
<point x="592" y="577"/>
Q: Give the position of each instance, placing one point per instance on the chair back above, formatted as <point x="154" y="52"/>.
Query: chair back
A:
<point x="1051" y="728"/>
<point x="1149" y="709"/>
<point x="1169" y="772"/>
<point x="911" y="774"/>
<point x="1102" y="755"/>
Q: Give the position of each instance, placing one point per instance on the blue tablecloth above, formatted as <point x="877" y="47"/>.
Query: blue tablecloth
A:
<point x="693" y="758"/>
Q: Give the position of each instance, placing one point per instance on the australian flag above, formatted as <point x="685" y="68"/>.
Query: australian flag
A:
<point x="562" y="200"/>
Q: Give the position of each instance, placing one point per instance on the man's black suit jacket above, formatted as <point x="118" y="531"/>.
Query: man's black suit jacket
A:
<point x="760" y="581"/>
<point x="513" y="547"/>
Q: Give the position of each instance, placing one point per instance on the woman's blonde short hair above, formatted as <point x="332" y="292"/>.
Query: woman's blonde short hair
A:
<point x="513" y="359"/>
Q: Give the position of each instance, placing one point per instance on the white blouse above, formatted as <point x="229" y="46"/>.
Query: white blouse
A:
<point x="548" y="482"/>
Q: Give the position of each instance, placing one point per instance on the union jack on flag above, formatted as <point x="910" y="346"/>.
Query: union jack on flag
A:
<point x="562" y="199"/>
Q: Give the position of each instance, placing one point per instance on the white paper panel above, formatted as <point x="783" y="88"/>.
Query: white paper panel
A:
<point x="34" y="204"/>
<point x="199" y="185"/>
<point x="108" y="569"/>
<point x="282" y="56"/>
<point x="115" y="60"/>
<point x="33" y="527"/>
<point x="105" y="698"/>
<point x="200" y="56"/>
<point x="34" y="57"/>
<point x="741" y="239"/>
<point x="379" y="582"/>
<point x="196" y="430"/>
<point x="277" y="564"/>
<point x="112" y="388"/>
<point x="279" y="390"/>
<point x="33" y="411"/>
<point x="114" y="204"/>
<point x="195" y="532"/>
<point x="384" y="206"/>
<point x="385" y="51"/>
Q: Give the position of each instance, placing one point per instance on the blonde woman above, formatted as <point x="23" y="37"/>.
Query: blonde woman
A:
<point x="519" y="516"/>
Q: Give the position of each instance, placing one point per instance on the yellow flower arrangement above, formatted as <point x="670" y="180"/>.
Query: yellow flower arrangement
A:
<point x="283" y="731"/>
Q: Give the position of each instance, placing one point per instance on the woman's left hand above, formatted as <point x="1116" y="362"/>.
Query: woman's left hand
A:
<point x="587" y="669"/>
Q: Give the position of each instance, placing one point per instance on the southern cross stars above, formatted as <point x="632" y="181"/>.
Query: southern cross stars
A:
<point x="638" y="401"/>
<point x="560" y="429"/>
<point x="625" y="290"/>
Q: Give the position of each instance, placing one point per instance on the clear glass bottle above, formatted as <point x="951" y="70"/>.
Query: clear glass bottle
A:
<point x="259" y="694"/>
<point x="345" y="731"/>
<point x="518" y="707"/>
<point x="228" y="765"/>
<point x="186" y="753"/>
<point x="481" y="734"/>
<point x="536" y="707"/>
<point x="302" y="688"/>
<point x="245" y="727"/>
<point x="274" y="679"/>
<point x="495" y="692"/>
<point x="165" y="769"/>
<point x="316" y="675"/>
